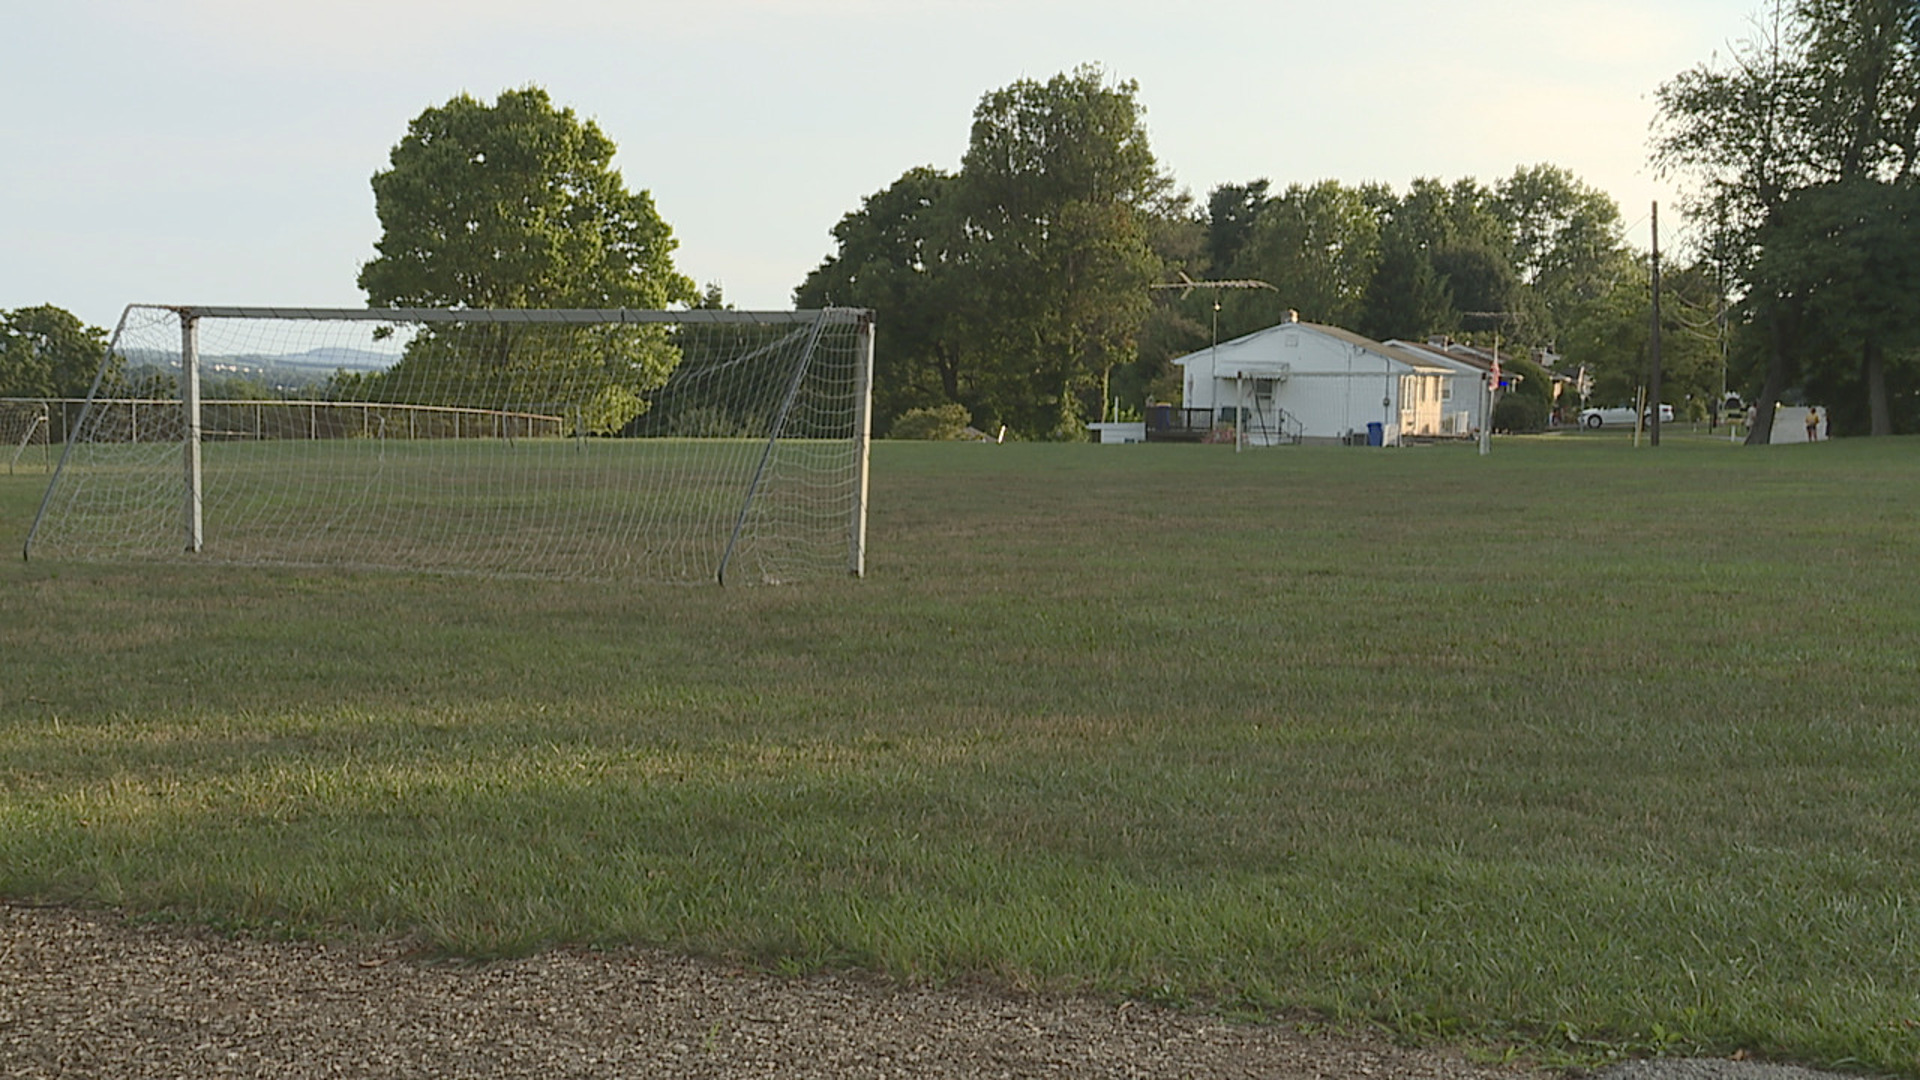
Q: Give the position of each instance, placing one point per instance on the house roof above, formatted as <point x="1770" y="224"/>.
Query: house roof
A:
<point x="1419" y="361"/>
<point x="1453" y="361"/>
<point x="1452" y="352"/>
<point x="1414" y="358"/>
<point x="1475" y="359"/>
<point x="1483" y="359"/>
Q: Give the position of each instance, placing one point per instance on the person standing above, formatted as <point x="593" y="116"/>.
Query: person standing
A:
<point x="1813" y="424"/>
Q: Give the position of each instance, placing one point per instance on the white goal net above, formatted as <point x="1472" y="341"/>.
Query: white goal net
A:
<point x="24" y="433"/>
<point x="602" y="445"/>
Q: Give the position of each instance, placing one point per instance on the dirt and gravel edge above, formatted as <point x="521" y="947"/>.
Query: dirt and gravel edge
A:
<point x="87" y="993"/>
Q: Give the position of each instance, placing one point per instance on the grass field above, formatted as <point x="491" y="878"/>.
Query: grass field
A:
<point x="1575" y="748"/>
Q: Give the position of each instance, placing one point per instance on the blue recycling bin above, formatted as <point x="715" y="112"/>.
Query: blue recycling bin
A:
<point x="1376" y="434"/>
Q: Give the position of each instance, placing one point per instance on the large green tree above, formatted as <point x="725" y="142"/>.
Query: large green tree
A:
<point x="1486" y="291"/>
<point x="1176" y="325"/>
<point x="1317" y="245"/>
<point x="1430" y="236"/>
<point x="1060" y="188"/>
<point x="47" y="352"/>
<point x="1017" y="286"/>
<point x="1825" y="92"/>
<point x="903" y="254"/>
<point x="1846" y="256"/>
<point x="1232" y="210"/>
<point x="1437" y="216"/>
<point x="517" y="205"/>
<point x="1564" y="243"/>
<point x="1407" y="297"/>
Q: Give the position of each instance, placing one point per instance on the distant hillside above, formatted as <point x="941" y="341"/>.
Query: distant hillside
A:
<point x="324" y="360"/>
<point x="334" y="358"/>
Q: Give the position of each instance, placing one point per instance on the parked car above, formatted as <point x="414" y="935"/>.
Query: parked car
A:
<point x="1619" y="414"/>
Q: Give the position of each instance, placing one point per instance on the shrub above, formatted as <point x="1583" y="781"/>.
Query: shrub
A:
<point x="940" y="422"/>
<point x="1520" y="413"/>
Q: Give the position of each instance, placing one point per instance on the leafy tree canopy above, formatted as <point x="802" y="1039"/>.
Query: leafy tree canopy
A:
<point x="1231" y="211"/>
<point x="1059" y="185"/>
<point x="517" y="205"/>
<point x="1825" y="92"/>
<point x="1317" y="245"/>
<point x="1846" y="257"/>
<point x="1038" y="148"/>
<point x="1015" y="286"/>
<point x="46" y="351"/>
<point x="902" y="253"/>
<point x="1407" y="297"/>
<point x="1564" y="241"/>
<point x="1535" y="248"/>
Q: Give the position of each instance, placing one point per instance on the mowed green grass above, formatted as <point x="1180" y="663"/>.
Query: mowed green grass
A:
<point x="1576" y="747"/>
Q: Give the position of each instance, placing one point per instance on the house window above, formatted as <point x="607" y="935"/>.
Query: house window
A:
<point x="1446" y="390"/>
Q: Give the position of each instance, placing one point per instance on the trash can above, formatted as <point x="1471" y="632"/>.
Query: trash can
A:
<point x="1376" y="434"/>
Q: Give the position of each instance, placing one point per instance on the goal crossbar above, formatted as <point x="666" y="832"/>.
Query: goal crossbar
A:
<point x="615" y="316"/>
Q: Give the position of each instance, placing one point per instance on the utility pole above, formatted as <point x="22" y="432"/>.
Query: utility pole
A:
<point x="1493" y="390"/>
<point x="1490" y="382"/>
<point x="1653" y="387"/>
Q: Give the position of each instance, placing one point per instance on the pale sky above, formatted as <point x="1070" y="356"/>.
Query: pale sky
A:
<point x="218" y="151"/>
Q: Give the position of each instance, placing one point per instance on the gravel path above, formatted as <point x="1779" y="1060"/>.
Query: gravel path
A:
<point x="85" y="994"/>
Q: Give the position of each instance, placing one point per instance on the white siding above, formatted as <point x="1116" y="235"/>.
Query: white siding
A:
<point x="1329" y="385"/>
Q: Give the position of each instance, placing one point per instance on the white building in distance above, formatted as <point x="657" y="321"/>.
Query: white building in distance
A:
<point x="1304" y="382"/>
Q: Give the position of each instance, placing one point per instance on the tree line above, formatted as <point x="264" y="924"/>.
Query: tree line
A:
<point x="1020" y="288"/>
<point x="1803" y="151"/>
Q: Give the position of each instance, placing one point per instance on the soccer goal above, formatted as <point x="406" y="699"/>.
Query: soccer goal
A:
<point x="24" y="431"/>
<point x="607" y="445"/>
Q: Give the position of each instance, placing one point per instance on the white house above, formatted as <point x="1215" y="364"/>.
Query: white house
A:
<point x="1466" y="406"/>
<point x="1303" y="382"/>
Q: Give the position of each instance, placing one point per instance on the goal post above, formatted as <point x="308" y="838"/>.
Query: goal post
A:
<point x="617" y="445"/>
<point x="192" y="432"/>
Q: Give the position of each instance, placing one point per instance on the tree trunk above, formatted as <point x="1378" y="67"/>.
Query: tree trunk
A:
<point x="1876" y="379"/>
<point x="948" y="365"/>
<point x="1778" y="369"/>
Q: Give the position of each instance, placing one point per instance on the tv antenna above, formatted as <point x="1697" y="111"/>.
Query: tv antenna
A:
<point x="1186" y="285"/>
